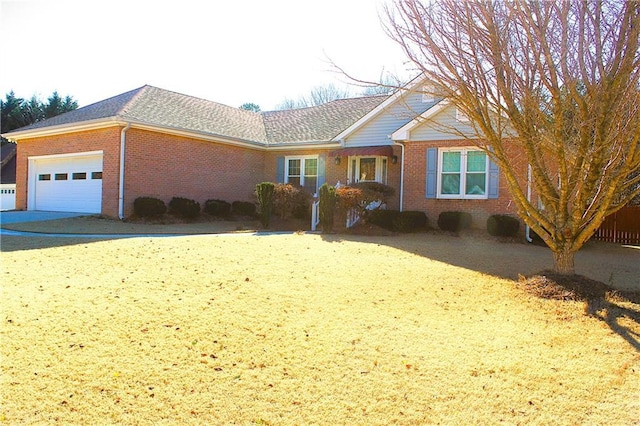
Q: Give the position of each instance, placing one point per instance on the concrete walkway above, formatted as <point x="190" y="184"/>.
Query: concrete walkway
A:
<point x="34" y="216"/>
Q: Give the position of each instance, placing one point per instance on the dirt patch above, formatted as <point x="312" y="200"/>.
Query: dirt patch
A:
<point x="551" y="285"/>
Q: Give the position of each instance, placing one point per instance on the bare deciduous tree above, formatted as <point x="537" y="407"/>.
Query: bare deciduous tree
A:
<point x="559" y="80"/>
<point x="317" y="96"/>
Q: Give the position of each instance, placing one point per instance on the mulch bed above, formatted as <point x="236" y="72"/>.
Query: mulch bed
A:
<point x="552" y="285"/>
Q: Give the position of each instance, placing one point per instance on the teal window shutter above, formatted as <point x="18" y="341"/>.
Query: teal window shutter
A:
<point x="432" y="172"/>
<point x="321" y="169"/>
<point x="280" y="170"/>
<point x="494" y="180"/>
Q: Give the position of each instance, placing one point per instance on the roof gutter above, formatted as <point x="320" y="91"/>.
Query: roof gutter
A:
<point x="123" y="144"/>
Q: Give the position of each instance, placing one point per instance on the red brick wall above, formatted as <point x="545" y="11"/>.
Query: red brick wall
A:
<point x="415" y="186"/>
<point x="106" y="140"/>
<point x="165" y="166"/>
<point x="157" y="165"/>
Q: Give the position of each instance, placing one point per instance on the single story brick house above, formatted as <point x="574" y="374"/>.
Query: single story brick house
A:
<point x="154" y="142"/>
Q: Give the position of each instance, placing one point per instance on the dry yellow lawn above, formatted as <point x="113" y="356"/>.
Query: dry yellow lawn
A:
<point x="302" y="329"/>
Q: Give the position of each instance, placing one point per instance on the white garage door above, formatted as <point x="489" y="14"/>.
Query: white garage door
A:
<point x="67" y="184"/>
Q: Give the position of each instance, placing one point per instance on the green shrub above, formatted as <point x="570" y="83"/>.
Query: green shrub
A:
<point x="264" y="192"/>
<point x="327" y="207"/>
<point x="383" y="218"/>
<point x="500" y="225"/>
<point x="454" y="221"/>
<point x="149" y="207"/>
<point x="410" y="221"/>
<point x="219" y="208"/>
<point x="243" y="208"/>
<point x="184" y="207"/>
<point x="394" y="220"/>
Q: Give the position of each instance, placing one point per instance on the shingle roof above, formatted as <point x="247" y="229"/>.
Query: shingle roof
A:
<point x="318" y="123"/>
<point x="158" y="107"/>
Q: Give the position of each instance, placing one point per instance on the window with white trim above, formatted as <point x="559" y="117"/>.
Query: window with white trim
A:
<point x="462" y="173"/>
<point x="367" y="169"/>
<point x="302" y="171"/>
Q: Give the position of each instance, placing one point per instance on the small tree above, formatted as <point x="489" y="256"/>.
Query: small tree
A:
<point x="328" y="200"/>
<point x="265" y="191"/>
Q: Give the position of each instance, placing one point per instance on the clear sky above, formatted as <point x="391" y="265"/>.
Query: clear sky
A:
<point x="228" y="51"/>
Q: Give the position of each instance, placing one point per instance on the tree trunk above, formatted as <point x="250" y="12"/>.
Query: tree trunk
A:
<point x="563" y="261"/>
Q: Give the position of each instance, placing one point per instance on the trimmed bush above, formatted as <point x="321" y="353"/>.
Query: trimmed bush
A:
<point x="383" y="218"/>
<point x="410" y="221"/>
<point x="394" y="220"/>
<point x="243" y="208"/>
<point x="500" y="225"/>
<point x="184" y="207"/>
<point x="218" y="208"/>
<point x="291" y="201"/>
<point x="454" y="221"/>
<point x="149" y="207"/>
<point x="328" y="201"/>
<point x="264" y="192"/>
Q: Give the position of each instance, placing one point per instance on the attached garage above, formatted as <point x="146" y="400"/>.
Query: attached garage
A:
<point x="67" y="183"/>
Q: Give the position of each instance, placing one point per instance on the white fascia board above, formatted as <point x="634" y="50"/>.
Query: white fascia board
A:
<point x="403" y="133"/>
<point x="303" y="145"/>
<point x="377" y="110"/>
<point x="72" y="154"/>
<point x="62" y="129"/>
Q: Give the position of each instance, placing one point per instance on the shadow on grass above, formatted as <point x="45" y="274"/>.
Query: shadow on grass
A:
<point x="509" y="259"/>
<point x="10" y="243"/>
<point x="618" y="309"/>
<point x="615" y="315"/>
<point x="469" y="251"/>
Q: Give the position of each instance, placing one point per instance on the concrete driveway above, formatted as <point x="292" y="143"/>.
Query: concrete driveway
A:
<point x="34" y="216"/>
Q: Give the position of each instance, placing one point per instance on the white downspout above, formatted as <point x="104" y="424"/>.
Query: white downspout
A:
<point x="527" y="229"/>
<point x="123" y="143"/>
<point x="401" y="172"/>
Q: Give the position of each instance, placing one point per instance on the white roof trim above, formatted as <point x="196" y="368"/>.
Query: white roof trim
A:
<point x="377" y="110"/>
<point x="102" y="123"/>
<point x="62" y="128"/>
<point x="403" y="133"/>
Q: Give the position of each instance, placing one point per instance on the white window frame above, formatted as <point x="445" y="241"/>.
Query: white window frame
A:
<point x="463" y="175"/>
<point x="302" y="159"/>
<point x="382" y="164"/>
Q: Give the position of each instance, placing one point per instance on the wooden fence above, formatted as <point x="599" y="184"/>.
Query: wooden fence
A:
<point x="622" y="227"/>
